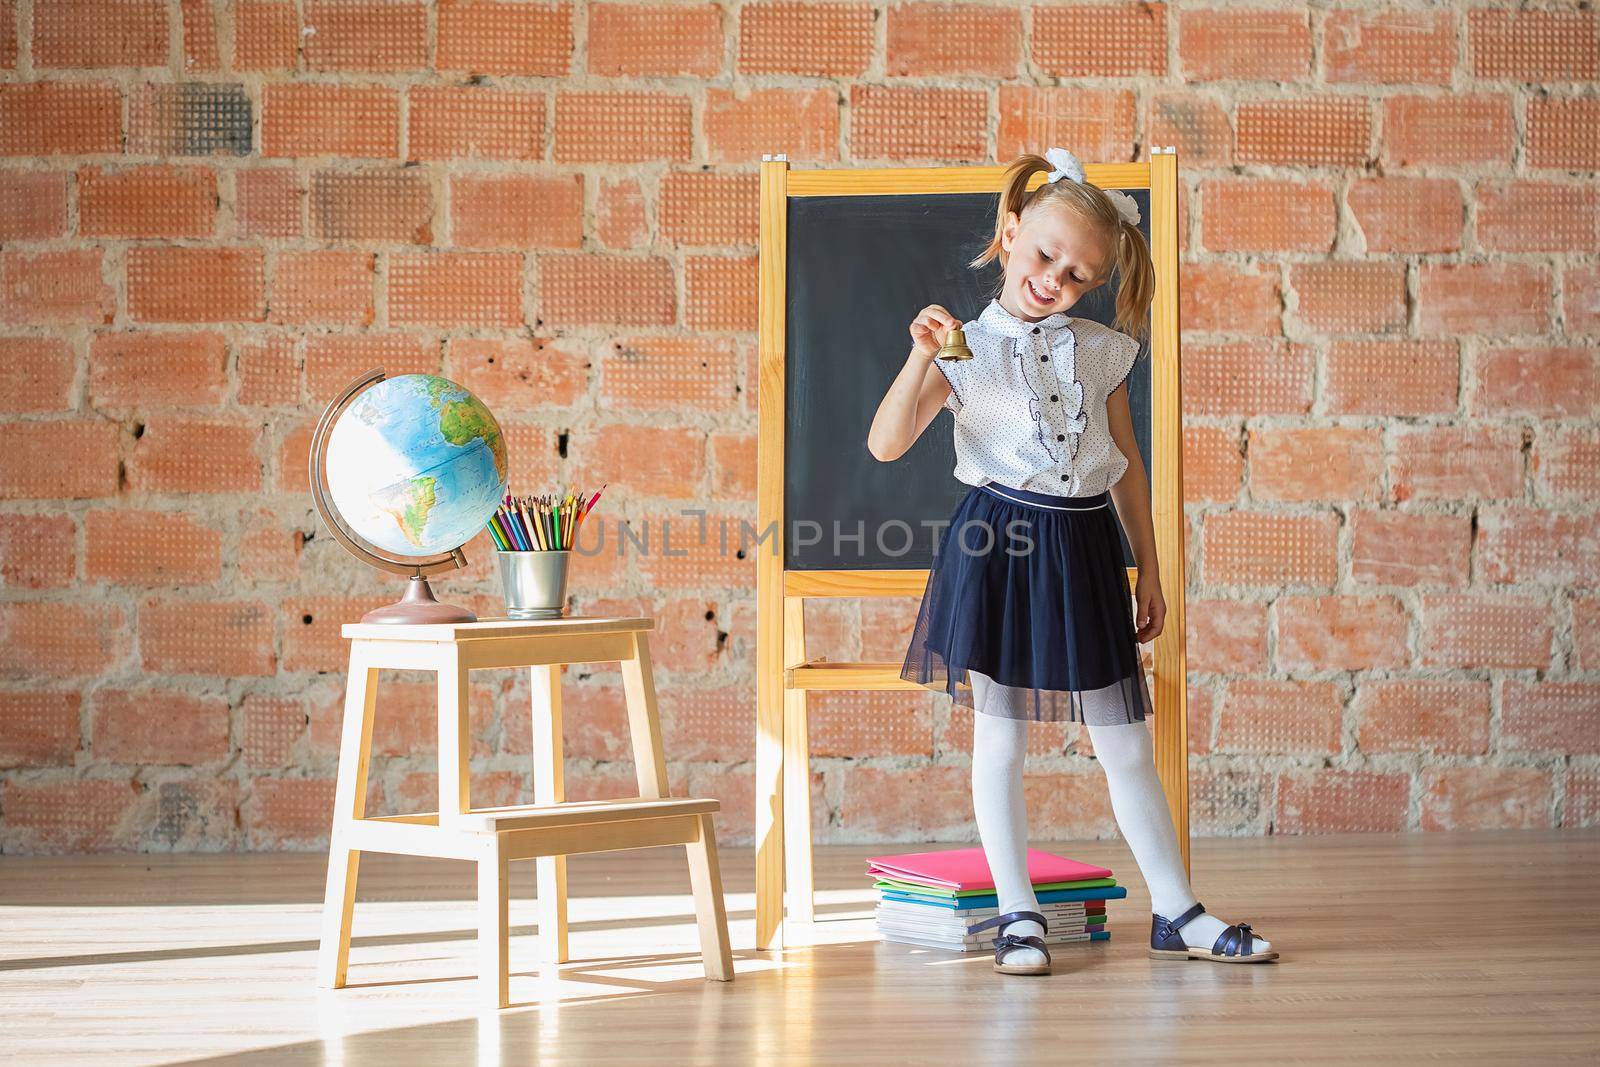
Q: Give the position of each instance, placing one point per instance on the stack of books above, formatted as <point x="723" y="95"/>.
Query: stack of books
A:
<point x="934" y="899"/>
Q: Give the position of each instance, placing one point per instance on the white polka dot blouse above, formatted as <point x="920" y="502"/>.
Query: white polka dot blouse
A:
<point x="1030" y="405"/>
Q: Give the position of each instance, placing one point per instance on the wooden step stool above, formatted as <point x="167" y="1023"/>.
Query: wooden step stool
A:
<point x="549" y="829"/>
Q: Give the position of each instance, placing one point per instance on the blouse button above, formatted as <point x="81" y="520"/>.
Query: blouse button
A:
<point x="1063" y="477"/>
<point x="1044" y="359"/>
<point x="1053" y="398"/>
<point x="1061" y="437"/>
<point x="1036" y="329"/>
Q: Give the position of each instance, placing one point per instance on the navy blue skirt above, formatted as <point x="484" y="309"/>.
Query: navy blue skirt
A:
<point x="1030" y="590"/>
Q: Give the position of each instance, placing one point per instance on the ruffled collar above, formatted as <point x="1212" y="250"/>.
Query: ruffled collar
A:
<point x="998" y="320"/>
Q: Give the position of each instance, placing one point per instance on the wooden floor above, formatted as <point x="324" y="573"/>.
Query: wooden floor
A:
<point x="1466" y="947"/>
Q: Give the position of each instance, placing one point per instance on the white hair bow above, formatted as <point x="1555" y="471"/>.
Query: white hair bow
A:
<point x="1067" y="166"/>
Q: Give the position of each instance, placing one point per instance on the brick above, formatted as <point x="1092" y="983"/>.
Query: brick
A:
<point x="1538" y="217"/>
<point x="815" y="39"/>
<point x="613" y="290"/>
<point x="706" y="208"/>
<point x="59" y="459"/>
<point x="1227" y="636"/>
<point x="1228" y="801"/>
<point x="60" y="118"/>
<point x="161" y="726"/>
<point x="516" y="211"/>
<point x="195" y="815"/>
<point x="926" y="39"/>
<point x="8" y="34"/>
<point x="138" y="371"/>
<point x="620" y="219"/>
<point x="218" y="638"/>
<point x="89" y="815"/>
<point x="199" y="26"/>
<point x="1488" y="298"/>
<point x="1101" y="41"/>
<point x="1401" y="548"/>
<point x="484" y="37"/>
<point x="1316" y="464"/>
<point x="1248" y="44"/>
<point x="332" y="362"/>
<point x="317" y="119"/>
<point x="1247" y="378"/>
<point x="186" y="455"/>
<point x="641" y="40"/>
<point x="189" y="119"/>
<point x="520" y="374"/>
<point x="172" y="284"/>
<point x="1098" y="123"/>
<point x="99" y="33"/>
<point x="1447" y="131"/>
<point x="58" y="639"/>
<point x="670" y="461"/>
<point x="1581" y="302"/>
<point x="288" y="813"/>
<point x="33" y="205"/>
<point x="266" y="35"/>
<point x="270" y="549"/>
<point x="372" y="205"/>
<point x="269" y="202"/>
<point x="1389" y="47"/>
<point x="36" y="374"/>
<point x="1269" y="716"/>
<point x="1333" y="801"/>
<point x="152" y="201"/>
<point x="1391" y="377"/>
<point x="1266" y="215"/>
<point x="1533" y="46"/>
<point x="1485" y="798"/>
<point x="1044" y="739"/>
<point x="720" y="293"/>
<point x="38" y="728"/>
<point x="1334" y="633"/>
<point x="1213" y="464"/>
<point x="803" y="123"/>
<point x="1519" y="545"/>
<point x="456" y="289"/>
<point x="366" y="35"/>
<point x="1311" y="131"/>
<point x="882" y="801"/>
<point x="55" y="288"/>
<point x="1471" y="462"/>
<point x="898" y="123"/>
<point x="1472" y="631"/>
<point x="326" y="287"/>
<point x="1350" y="297"/>
<point x="668" y="373"/>
<point x="1581" y="798"/>
<point x="1196" y="125"/>
<point x="704" y="724"/>
<point x="1551" y="380"/>
<point x="1566" y="464"/>
<point x="1562" y="718"/>
<point x="882" y="723"/>
<point x="475" y="123"/>
<point x="150" y="548"/>
<point x="1219" y="297"/>
<point x="1564" y="133"/>
<point x="733" y="466"/>
<point x="1586" y="632"/>
<point x="622" y="127"/>
<point x="1408" y="214"/>
<point x="679" y="558"/>
<point x="1412" y="715"/>
<point x="1270" y="549"/>
<point x="38" y="551"/>
<point x="311" y="637"/>
<point x="268" y="370"/>
<point x="272" y="727"/>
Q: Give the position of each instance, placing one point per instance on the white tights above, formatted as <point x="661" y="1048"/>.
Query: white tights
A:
<point x="1126" y="754"/>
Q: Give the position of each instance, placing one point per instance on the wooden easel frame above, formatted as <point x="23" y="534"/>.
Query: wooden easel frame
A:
<point x="783" y="674"/>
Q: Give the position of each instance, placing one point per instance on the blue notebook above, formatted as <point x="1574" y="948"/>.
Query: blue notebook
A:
<point x="1049" y="896"/>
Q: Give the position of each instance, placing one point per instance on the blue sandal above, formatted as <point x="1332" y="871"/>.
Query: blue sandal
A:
<point x="1232" y="945"/>
<point x="1004" y="942"/>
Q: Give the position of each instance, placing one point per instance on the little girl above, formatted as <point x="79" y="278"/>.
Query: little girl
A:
<point x="1027" y="599"/>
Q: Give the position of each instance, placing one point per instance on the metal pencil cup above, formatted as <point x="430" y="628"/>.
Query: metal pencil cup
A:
<point x="535" y="583"/>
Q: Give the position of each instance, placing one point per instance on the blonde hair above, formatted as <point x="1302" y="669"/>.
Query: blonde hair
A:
<point x="1091" y="205"/>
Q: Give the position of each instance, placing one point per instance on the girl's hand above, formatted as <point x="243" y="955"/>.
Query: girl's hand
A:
<point x="1150" y="613"/>
<point x="928" y="330"/>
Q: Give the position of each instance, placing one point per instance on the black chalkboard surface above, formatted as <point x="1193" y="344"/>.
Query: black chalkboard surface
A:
<point x="859" y="269"/>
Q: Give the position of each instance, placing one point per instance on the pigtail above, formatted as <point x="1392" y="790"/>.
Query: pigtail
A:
<point x="1138" y="288"/>
<point x="1013" y="197"/>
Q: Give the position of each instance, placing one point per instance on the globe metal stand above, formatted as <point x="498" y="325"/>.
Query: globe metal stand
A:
<point x="418" y="605"/>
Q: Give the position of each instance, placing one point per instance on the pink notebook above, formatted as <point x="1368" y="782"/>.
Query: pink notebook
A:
<point x="966" y="868"/>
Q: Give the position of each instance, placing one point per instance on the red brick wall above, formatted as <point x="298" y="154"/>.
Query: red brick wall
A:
<point x="213" y="214"/>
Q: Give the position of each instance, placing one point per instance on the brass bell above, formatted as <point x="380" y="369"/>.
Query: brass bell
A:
<point x="955" y="345"/>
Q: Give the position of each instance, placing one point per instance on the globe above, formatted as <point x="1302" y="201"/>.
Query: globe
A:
<point x="404" y="471"/>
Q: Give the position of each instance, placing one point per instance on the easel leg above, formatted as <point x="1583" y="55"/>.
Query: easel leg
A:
<point x="769" y="772"/>
<point x="549" y="788"/>
<point x="349" y="804"/>
<point x="705" y="876"/>
<point x="797" y="777"/>
<point x="494" y="965"/>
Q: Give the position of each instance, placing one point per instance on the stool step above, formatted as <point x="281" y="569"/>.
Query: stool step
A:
<point x="581" y="812"/>
<point x="826" y="675"/>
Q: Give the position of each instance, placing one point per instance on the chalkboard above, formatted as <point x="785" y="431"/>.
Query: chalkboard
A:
<point x="859" y="268"/>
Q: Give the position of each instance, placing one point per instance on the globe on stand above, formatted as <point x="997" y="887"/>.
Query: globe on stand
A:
<point x="404" y="471"/>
